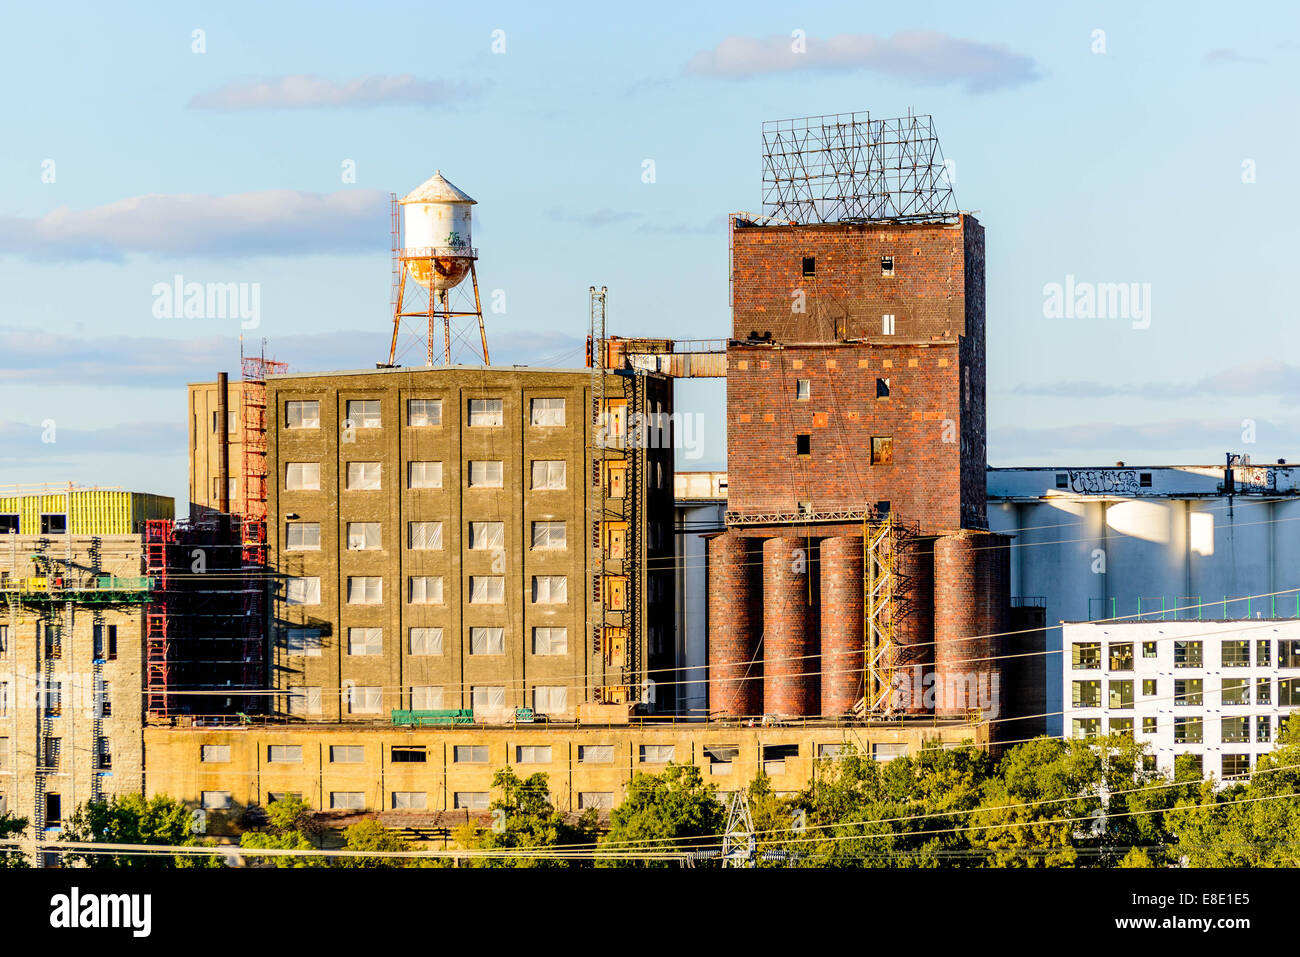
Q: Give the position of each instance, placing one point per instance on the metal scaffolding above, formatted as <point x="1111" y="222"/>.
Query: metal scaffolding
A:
<point x="847" y="167"/>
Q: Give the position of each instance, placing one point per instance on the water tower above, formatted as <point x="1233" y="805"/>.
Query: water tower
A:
<point x="433" y="249"/>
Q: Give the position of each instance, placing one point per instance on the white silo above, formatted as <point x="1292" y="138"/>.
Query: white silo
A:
<point x="437" y="233"/>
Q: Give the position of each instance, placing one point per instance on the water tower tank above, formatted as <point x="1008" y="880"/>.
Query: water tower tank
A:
<point x="436" y="234"/>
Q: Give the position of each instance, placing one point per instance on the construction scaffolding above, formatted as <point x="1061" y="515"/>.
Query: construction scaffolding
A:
<point x="847" y="167"/>
<point x="886" y="605"/>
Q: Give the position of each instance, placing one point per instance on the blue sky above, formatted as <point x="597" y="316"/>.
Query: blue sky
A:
<point x="225" y="166"/>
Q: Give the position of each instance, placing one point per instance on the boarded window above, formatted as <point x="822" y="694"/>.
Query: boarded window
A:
<point x="882" y="450"/>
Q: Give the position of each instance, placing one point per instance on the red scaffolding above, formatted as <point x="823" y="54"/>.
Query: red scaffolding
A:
<point x="158" y="535"/>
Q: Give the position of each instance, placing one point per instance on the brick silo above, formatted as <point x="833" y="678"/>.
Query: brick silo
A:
<point x="915" y="632"/>
<point x="735" y="623"/>
<point x="842" y="626"/>
<point x="972" y="604"/>
<point x="789" y="641"/>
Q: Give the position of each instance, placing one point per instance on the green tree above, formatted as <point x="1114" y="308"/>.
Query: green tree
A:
<point x="12" y="828"/>
<point x="660" y="809"/>
<point x="524" y="818"/>
<point x="371" y="835"/>
<point x="130" y="819"/>
<point x="291" y="825"/>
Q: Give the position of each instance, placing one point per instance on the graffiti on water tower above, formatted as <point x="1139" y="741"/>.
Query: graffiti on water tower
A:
<point x="1105" y="480"/>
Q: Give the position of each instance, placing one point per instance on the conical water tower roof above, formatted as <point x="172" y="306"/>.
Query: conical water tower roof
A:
<point x="437" y="189"/>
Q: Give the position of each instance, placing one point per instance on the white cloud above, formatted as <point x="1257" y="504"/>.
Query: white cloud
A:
<point x="922" y="56"/>
<point x="303" y="91"/>
<point x="271" y="222"/>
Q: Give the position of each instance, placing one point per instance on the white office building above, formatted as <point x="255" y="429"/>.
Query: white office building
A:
<point x="1216" y="690"/>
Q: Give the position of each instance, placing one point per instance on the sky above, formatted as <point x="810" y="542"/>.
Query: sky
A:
<point x="1149" y="144"/>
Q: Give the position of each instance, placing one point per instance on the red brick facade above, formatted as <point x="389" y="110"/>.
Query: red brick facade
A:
<point x="972" y="612"/>
<point x="736" y="621"/>
<point x="842" y="623"/>
<point x="789" y="628"/>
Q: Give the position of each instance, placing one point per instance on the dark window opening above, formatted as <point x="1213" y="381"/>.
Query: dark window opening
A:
<point x="105" y="650"/>
<point x="53" y="810"/>
<point x="1144" y="479"/>
<point x="779" y="752"/>
<point x="10" y="525"/>
<point x="54" y="524"/>
<point x="803" y="444"/>
<point x="886" y="265"/>
<point x="882" y="508"/>
<point x="882" y="388"/>
<point x="409" y="755"/>
<point x="809" y="266"/>
<point x="1062" y="480"/>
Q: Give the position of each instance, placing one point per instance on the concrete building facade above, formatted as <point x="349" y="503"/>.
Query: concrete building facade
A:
<point x="1217" y="691"/>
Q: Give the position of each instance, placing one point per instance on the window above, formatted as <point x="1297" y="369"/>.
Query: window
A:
<point x="365" y="641"/>
<point x="1121" y="726"/>
<point x="550" y="641"/>
<point x="809" y="266"/>
<point x="1188" y="692"/>
<point x="886" y="265"/>
<point x="4" y="763"/>
<point x="533" y="754"/>
<point x="104" y="700"/>
<point x="410" y="800"/>
<point x="1062" y="480"/>
<point x="617" y="480"/>
<point x="1234" y="730"/>
<point x="1121" y="694"/>
<point x="1288" y="692"/>
<point x="284" y="754"/>
<point x="1085" y="727"/>
<point x="835" y="750"/>
<point x="424" y="412"/>
<point x="1188" y="730"/>
<point x="302" y="641"/>
<point x="882" y="388"/>
<point x="1150" y="725"/>
<point x="1264" y="691"/>
<point x="548" y="474"/>
<point x="426" y="697"/>
<point x="550" y="589"/>
<point x="1187" y="654"/>
<point x="487" y="641"/>
<point x="1086" y="694"/>
<point x="1288" y="654"/>
<point x="101" y="635"/>
<point x="487" y="589"/>
<point x="721" y="757"/>
<point x="1149" y="649"/>
<point x="487" y="698"/>
<point x="364" y="699"/>
<point x="1144" y="480"/>
<point x="425" y="641"/>
<point x="1263" y="657"/>
<point x="547" y="412"/>
<point x="595" y="754"/>
<point x="54" y="524"/>
<point x="363" y="476"/>
<point x="4" y="641"/>
<point x="53" y="696"/>
<point x="365" y="590"/>
<point x="304" y="701"/>
<point x="363" y="536"/>
<point x="471" y="754"/>
<point x="4" y="697"/>
<point x="1236" y="653"/>
<point x="485" y="412"/>
<point x="471" y="800"/>
<point x="426" y="590"/>
<point x="485" y="474"/>
<point x="347" y="753"/>
<point x="1264" y="728"/>
<point x="215" y="800"/>
<point x="424" y="475"/>
<point x="802" y="389"/>
<point x="363" y="413"/>
<point x="882" y="450"/>
<point x="409" y="754"/>
<point x="1121" y="656"/>
<point x="424" y="536"/>
<point x="1149" y="687"/>
<point x="302" y="537"/>
<point x="347" y="800"/>
<point x="1236" y="765"/>
<point x="301" y="475"/>
<point x="549" y="535"/>
<point x="302" y="415"/>
<point x="887" y="324"/>
<point x="803" y="445"/>
<point x="1236" y="691"/>
<point x="487" y="535"/>
<point x="1086" y="655"/>
<point x="657" y="753"/>
<point x="550" y="699"/>
<point x="215" y="754"/>
<point x="302" y="591"/>
<point x="600" y="800"/>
